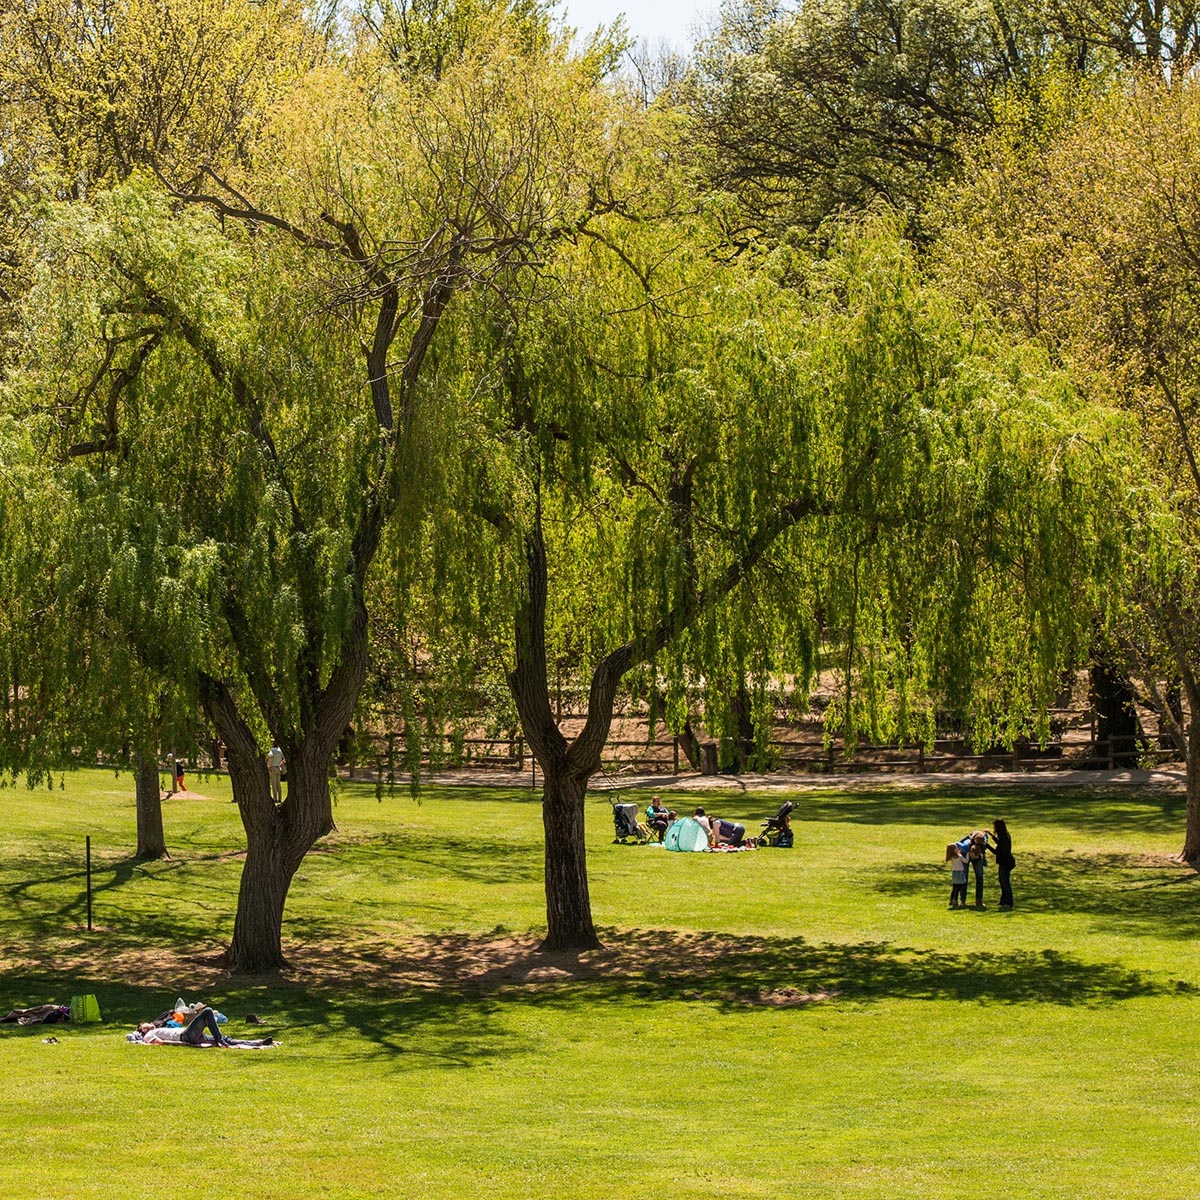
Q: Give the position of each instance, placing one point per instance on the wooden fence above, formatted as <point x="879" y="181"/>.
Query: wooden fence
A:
<point x="384" y="757"/>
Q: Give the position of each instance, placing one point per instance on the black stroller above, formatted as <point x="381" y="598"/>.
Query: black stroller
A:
<point x="777" y="830"/>
<point x="627" y="827"/>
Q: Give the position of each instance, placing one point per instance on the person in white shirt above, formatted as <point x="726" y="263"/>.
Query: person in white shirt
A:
<point x="275" y="769"/>
<point x="191" y="1034"/>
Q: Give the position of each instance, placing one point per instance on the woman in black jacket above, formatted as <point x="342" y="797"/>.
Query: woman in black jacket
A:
<point x="1002" y="853"/>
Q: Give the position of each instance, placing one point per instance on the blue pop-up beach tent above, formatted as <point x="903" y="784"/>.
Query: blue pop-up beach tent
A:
<point x="686" y="834"/>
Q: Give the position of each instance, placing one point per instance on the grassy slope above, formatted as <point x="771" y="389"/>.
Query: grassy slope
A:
<point x="1045" y="1052"/>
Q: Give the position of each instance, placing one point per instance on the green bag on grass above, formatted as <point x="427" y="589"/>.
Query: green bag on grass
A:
<point x="85" y="1010"/>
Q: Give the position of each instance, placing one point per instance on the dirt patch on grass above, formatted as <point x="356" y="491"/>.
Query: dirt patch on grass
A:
<point x="1124" y="862"/>
<point x="655" y="959"/>
<point x="790" y="998"/>
<point x="713" y="966"/>
<point x="92" y="959"/>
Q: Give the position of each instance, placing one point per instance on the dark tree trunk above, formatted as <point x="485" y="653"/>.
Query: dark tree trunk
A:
<point x="1118" y="730"/>
<point x="151" y="843"/>
<point x="277" y="839"/>
<point x="568" y="904"/>
<point x="566" y="768"/>
<point x="257" y="944"/>
<point x="279" y="836"/>
<point x="689" y="743"/>
<point x="745" y="729"/>
<point x="1173" y="700"/>
<point x="687" y="740"/>
<point x="1191" y="841"/>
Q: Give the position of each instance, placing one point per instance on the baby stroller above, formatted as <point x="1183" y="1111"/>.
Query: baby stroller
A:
<point x="627" y="827"/>
<point x="777" y="830"/>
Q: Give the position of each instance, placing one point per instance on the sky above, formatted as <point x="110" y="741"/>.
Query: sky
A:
<point x="649" y="20"/>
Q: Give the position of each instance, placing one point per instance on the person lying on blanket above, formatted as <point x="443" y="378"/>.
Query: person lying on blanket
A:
<point x="201" y="1030"/>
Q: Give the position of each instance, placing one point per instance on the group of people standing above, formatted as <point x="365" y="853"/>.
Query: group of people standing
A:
<point x="968" y="856"/>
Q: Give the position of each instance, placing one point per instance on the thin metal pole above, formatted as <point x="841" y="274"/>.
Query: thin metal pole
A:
<point x="533" y="785"/>
<point x="89" y="881"/>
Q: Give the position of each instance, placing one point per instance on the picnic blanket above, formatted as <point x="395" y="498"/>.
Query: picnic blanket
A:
<point x="234" y="1044"/>
<point x="47" y="1014"/>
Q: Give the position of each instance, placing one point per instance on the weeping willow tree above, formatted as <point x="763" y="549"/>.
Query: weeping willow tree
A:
<point x="63" y="701"/>
<point x="695" y="473"/>
<point x="88" y="90"/>
<point x="273" y="326"/>
<point x="1077" y="225"/>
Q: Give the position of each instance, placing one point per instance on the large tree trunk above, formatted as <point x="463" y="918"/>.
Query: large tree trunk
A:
<point x="1118" y="730"/>
<point x="745" y="729"/>
<point x="277" y="839"/>
<point x="568" y="904"/>
<point x="689" y="743"/>
<point x="1172" y="720"/>
<point x="1191" y="841"/>
<point x="686" y="740"/>
<point x="257" y="944"/>
<point x="566" y="768"/>
<point x="151" y="843"/>
<point x="279" y="836"/>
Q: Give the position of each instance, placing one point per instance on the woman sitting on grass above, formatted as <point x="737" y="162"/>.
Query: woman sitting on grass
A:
<point x="726" y="833"/>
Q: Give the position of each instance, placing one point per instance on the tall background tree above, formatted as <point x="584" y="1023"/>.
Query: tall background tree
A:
<point x="1083" y="234"/>
<point x="830" y="106"/>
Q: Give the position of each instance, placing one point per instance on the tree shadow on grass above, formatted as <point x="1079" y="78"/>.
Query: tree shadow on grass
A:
<point x="1140" y="893"/>
<point x="463" y="854"/>
<point x="415" y="1029"/>
<point x="360" y="790"/>
<point x="444" y="1000"/>
<point x="131" y="896"/>
<point x="766" y="971"/>
<point x="50" y="903"/>
<point x="1141" y="811"/>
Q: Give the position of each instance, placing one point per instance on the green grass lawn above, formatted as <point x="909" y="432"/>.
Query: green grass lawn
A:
<point x="805" y="1023"/>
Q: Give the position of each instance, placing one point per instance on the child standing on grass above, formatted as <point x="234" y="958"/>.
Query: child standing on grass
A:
<point x="958" y="875"/>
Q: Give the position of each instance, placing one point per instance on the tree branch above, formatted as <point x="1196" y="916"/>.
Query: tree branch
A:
<point x="121" y="379"/>
<point x="243" y="211"/>
<point x="585" y="751"/>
